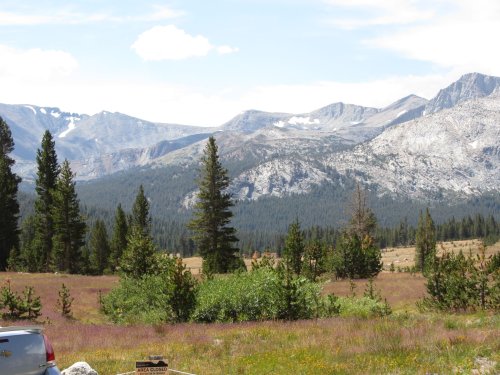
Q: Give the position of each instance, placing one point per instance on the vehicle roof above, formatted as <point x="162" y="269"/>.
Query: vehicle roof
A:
<point x="29" y="329"/>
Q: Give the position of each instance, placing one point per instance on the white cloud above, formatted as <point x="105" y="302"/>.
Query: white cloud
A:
<point x="376" y="93"/>
<point x="10" y="18"/>
<point x="162" y="13"/>
<point x="381" y="12"/>
<point x="70" y="17"/>
<point x="458" y="35"/>
<point x="463" y="40"/>
<point x="171" y="43"/>
<point x="57" y="17"/>
<point x="224" y="50"/>
<point x="35" y="64"/>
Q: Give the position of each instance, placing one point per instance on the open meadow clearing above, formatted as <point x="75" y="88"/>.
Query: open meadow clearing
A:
<point x="406" y="342"/>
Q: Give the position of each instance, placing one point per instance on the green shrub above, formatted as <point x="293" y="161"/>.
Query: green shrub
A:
<point x="494" y="263"/>
<point x="142" y="300"/>
<point x="262" y="294"/>
<point x="370" y="305"/>
<point x="363" y="307"/>
<point x="30" y="307"/>
<point x="164" y="297"/>
<point x="330" y="306"/>
<point x="239" y="297"/>
<point x="458" y="283"/>
<point x="15" y="307"/>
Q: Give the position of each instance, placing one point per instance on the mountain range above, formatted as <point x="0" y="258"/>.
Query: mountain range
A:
<point x="447" y="147"/>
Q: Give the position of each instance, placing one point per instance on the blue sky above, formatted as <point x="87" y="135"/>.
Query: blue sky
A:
<point x="202" y="62"/>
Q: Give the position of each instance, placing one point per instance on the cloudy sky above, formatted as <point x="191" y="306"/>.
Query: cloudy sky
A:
<point x="202" y="62"/>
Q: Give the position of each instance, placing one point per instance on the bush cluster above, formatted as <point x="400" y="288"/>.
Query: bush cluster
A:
<point x="266" y="293"/>
<point x="262" y="294"/>
<point x="459" y="283"/>
<point x="356" y="258"/>
<point x="165" y="296"/>
<point x="269" y="293"/>
<point x="15" y="307"/>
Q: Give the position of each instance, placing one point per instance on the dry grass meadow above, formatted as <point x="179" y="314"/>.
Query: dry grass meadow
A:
<point x="407" y="342"/>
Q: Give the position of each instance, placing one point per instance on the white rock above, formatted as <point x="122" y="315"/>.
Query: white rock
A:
<point x="79" y="368"/>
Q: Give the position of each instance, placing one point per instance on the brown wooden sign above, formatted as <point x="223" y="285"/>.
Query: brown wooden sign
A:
<point x="151" y="367"/>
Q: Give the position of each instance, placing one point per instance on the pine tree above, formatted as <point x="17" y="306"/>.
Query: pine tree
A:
<point x="9" y="206"/>
<point x="357" y="255"/>
<point x="294" y="247"/>
<point x="69" y="226"/>
<point x="10" y="301"/>
<point x="362" y="221"/>
<point x="183" y="298"/>
<point x="372" y="258"/>
<point x="119" y="238"/>
<point x="64" y="301"/>
<point x="30" y="306"/>
<point x="139" y="258"/>
<point x="85" y="266"/>
<point x="27" y="257"/>
<point x="212" y="233"/>
<point x="315" y="258"/>
<point x="481" y="276"/>
<point x="425" y="241"/>
<point x="99" y="248"/>
<point x="140" y="212"/>
<point x="348" y="258"/>
<point x="47" y="173"/>
<point x="403" y="232"/>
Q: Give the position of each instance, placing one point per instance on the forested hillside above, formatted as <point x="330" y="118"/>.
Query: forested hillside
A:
<point x="263" y="223"/>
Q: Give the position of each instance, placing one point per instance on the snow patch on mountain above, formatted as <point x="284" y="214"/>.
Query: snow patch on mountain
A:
<point x="298" y="120"/>
<point x="71" y="125"/>
<point x="279" y="124"/>
<point x="30" y="107"/>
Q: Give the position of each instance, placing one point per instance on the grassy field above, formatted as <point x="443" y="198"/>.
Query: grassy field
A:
<point x="408" y="342"/>
<point x="404" y="256"/>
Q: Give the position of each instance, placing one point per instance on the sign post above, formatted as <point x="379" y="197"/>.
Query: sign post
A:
<point x="155" y="366"/>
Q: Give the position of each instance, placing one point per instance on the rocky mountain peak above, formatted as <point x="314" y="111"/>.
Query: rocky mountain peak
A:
<point x="469" y="86"/>
<point x="252" y="120"/>
<point x="410" y="100"/>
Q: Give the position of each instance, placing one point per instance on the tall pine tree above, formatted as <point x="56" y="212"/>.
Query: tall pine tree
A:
<point x="425" y="240"/>
<point x="69" y="226"/>
<point x="212" y="233"/>
<point x="357" y="255"/>
<point x="362" y="220"/>
<point x="28" y="258"/>
<point x="47" y="173"/>
<point x="9" y="206"/>
<point x="99" y="248"/>
<point x="139" y="258"/>
<point x="140" y="212"/>
<point x="294" y="247"/>
<point x="119" y="238"/>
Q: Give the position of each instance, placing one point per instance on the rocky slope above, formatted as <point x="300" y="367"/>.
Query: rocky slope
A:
<point x="445" y="147"/>
<point x="454" y="152"/>
<point x="469" y="86"/>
